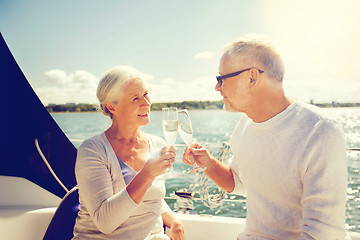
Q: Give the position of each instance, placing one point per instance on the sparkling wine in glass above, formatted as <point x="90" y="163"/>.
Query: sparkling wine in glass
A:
<point x="170" y="124"/>
<point x="186" y="133"/>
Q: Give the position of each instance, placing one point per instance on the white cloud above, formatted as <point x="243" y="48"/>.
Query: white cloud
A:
<point x="83" y="79"/>
<point x="78" y="79"/>
<point x="59" y="95"/>
<point x="171" y="90"/>
<point x="203" y="55"/>
<point x="80" y="87"/>
<point x="147" y="77"/>
<point x="57" y="76"/>
<point x="205" y="82"/>
<point x="77" y="87"/>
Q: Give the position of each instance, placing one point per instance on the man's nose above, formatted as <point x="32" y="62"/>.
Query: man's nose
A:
<point x="217" y="86"/>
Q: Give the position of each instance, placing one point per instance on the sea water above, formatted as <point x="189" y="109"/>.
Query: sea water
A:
<point x="214" y="127"/>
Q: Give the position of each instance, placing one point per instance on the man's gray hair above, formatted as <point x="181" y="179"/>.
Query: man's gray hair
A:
<point x="259" y="52"/>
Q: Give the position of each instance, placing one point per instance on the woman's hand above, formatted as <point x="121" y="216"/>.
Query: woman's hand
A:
<point x="155" y="166"/>
<point x="158" y="164"/>
<point x="176" y="231"/>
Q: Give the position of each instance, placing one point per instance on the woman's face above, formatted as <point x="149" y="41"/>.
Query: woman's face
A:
<point x="133" y="107"/>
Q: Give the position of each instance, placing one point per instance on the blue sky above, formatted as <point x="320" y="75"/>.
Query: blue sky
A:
<point x="63" y="47"/>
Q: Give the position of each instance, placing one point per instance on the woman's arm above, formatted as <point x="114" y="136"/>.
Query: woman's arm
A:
<point x="107" y="210"/>
<point x="176" y="228"/>
<point x="154" y="167"/>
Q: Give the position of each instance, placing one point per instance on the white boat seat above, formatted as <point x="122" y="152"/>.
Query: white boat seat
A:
<point x="25" y="209"/>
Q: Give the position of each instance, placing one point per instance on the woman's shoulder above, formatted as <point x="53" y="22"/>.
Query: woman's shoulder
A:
<point x="95" y="141"/>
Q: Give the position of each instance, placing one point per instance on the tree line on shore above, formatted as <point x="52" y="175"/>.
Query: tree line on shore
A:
<point x="83" y="107"/>
<point x="195" y="105"/>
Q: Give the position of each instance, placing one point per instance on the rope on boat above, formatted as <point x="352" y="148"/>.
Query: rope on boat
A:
<point x="184" y="199"/>
<point x="183" y="204"/>
<point x="48" y="165"/>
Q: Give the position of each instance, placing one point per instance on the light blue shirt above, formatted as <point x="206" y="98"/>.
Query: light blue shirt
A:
<point x="127" y="171"/>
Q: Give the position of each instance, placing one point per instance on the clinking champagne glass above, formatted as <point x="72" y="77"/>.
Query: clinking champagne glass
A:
<point x="186" y="133"/>
<point x="170" y="124"/>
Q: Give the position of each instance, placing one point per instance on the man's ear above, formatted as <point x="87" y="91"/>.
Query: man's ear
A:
<point x="254" y="76"/>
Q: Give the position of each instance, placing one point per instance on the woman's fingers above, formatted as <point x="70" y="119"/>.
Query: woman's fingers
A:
<point x="168" y="149"/>
<point x="167" y="163"/>
<point x="168" y="155"/>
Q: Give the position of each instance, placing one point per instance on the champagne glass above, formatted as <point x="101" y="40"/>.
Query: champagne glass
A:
<point x="186" y="133"/>
<point x="170" y="124"/>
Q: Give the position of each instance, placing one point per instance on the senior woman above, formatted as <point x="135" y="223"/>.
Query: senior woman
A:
<point x="120" y="171"/>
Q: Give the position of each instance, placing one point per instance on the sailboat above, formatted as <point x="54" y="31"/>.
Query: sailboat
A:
<point x="38" y="192"/>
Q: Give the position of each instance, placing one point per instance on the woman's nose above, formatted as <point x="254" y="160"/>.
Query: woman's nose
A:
<point x="146" y="102"/>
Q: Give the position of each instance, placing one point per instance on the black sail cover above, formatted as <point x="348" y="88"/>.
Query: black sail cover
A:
<point x="22" y="119"/>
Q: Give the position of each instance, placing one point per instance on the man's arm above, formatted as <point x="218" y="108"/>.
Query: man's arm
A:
<point x="217" y="171"/>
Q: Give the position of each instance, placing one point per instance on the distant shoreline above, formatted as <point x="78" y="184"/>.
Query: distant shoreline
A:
<point x="191" y="105"/>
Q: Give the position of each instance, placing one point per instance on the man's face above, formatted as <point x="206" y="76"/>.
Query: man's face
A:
<point x="234" y="90"/>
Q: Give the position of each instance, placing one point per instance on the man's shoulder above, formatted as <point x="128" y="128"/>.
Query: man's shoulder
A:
<point x="313" y="111"/>
<point x="317" y="117"/>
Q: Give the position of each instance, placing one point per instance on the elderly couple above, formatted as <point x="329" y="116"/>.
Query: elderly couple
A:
<point x="288" y="158"/>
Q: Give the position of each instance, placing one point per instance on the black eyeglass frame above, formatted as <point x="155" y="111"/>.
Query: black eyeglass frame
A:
<point x="220" y="78"/>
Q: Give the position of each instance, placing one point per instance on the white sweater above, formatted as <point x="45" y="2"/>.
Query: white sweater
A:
<point x="293" y="171"/>
<point x="106" y="209"/>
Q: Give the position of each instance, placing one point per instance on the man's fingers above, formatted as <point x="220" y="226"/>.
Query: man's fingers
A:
<point x="198" y="152"/>
<point x="189" y="160"/>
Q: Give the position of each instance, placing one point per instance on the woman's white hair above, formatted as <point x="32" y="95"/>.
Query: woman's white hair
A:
<point x="258" y="51"/>
<point x="111" y="84"/>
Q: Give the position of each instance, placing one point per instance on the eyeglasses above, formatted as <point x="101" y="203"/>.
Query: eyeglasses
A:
<point x="221" y="78"/>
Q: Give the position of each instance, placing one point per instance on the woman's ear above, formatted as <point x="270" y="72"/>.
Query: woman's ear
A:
<point x="110" y="107"/>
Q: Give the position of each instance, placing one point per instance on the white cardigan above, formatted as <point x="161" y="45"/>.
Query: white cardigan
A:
<point x="106" y="209"/>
